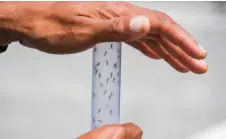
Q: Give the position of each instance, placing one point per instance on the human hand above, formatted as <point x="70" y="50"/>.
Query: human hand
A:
<point x="71" y="27"/>
<point x="119" y="131"/>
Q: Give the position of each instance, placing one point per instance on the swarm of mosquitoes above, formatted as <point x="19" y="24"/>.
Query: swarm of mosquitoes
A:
<point x="96" y="73"/>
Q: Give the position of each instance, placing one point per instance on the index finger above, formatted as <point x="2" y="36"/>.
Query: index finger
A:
<point x="163" y="25"/>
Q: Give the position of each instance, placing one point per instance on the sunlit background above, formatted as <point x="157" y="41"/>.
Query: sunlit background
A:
<point x="48" y="97"/>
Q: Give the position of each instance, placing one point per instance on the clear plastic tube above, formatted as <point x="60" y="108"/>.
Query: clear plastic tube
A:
<point x="106" y="84"/>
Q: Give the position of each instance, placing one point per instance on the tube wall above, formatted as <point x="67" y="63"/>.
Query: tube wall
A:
<point x="106" y="84"/>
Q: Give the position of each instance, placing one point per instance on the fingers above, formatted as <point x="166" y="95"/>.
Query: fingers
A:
<point x="167" y="56"/>
<point x="155" y="51"/>
<point x="177" y="35"/>
<point x="196" y="66"/>
<point x="145" y="49"/>
<point x="172" y="54"/>
<point x="163" y="25"/>
<point x="116" y="131"/>
<point x="124" y="28"/>
<point x="132" y="131"/>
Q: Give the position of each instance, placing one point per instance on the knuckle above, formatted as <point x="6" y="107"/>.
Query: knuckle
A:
<point x="122" y="132"/>
<point x="135" y="130"/>
<point x="163" y="16"/>
<point x="165" y="26"/>
<point x="113" y="9"/>
<point x="121" y="129"/>
<point x="115" y="26"/>
<point x="181" y="43"/>
<point x="165" y="21"/>
<point x="168" y="58"/>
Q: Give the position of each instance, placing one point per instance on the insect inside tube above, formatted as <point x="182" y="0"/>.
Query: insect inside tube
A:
<point x="94" y="49"/>
<point x="118" y="50"/>
<point x="105" y="53"/>
<point x="118" y="73"/>
<point x="115" y="65"/>
<point x="110" y="95"/>
<point x="96" y="71"/>
<point x="114" y="79"/>
<point x="100" y="121"/>
<point x="105" y="92"/>
<point x="111" y="46"/>
<point x="98" y="64"/>
<point x="106" y="66"/>
<point x="98" y="110"/>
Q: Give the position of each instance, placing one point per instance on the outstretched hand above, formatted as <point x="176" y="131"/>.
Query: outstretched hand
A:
<point x="72" y="27"/>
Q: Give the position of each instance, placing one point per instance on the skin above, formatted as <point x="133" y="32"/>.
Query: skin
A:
<point x="73" y="27"/>
<point x="68" y="27"/>
<point x="117" y="131"/>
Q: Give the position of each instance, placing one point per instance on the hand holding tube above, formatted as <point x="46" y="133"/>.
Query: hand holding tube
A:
<point x="117" y="131"/>
<point x="71" y="27"/>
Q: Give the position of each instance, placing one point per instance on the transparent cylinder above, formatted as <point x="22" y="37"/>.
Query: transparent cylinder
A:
<point x="106" y="84"/>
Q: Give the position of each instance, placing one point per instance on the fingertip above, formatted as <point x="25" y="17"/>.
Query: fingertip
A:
<point x="200" y="68"/>
<point x="202" y="53"/>
<point x="204" y="67"/>
<point x="194" y="49"/>
<point x="203" y="56"/>
<point x="202" y="49"/>
<point x="201" y="72"/>
<point x="204" y="70"/>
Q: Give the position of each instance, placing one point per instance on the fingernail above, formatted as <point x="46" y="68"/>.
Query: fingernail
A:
<point x="203" y="62"/>
<point x="202" y="49"/>
<point x="139" y="23"/>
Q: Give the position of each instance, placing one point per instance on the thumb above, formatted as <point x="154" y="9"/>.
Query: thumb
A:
<point x="115" y="131"/>
<point x="122" y="29"/>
